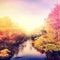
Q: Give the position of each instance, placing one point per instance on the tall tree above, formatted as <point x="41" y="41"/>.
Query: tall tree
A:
<point x="53" y="21"/>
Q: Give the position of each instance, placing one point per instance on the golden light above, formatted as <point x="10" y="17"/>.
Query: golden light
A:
<point x="28" y="23"/>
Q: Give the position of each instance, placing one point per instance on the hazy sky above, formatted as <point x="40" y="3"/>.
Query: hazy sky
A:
<point x="29" y="14"/>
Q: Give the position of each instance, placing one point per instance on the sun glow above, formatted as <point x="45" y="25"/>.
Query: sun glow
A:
<point x="28" y="23"/>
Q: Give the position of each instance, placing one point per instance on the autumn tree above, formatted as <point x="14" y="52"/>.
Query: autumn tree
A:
<point x="53" y="22"/>
<point x="10" y="37"/>
<point x="50" y="41"/>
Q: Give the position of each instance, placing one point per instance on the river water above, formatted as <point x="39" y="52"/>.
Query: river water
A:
<point x="26" y="49"/>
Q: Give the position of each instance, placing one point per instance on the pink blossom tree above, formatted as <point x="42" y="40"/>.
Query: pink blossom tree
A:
<point x="53" y="20"/>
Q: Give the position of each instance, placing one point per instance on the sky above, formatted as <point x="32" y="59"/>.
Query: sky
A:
<point x="28" y="14"/>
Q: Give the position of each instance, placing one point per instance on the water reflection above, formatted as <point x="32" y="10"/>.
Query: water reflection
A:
<point x="28" y="52"/>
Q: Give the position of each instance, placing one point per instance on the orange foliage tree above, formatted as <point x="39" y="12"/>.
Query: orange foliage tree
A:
<point x="10" y="35"/>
